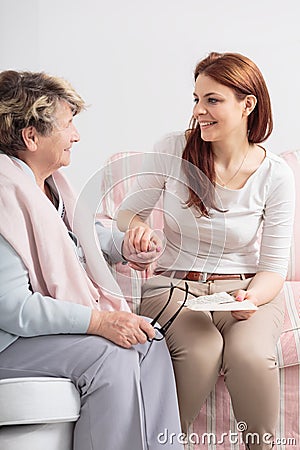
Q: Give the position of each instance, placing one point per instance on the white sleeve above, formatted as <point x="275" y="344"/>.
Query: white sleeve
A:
<point x="23" y="313"/>
<point x="150" y="182"/>
<point x="278" y="222"/>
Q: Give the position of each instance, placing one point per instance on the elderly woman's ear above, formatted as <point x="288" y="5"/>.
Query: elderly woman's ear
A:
<point x="30" y="138"/>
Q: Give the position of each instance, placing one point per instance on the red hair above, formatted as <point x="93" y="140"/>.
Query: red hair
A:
<point x="244" y="78"/>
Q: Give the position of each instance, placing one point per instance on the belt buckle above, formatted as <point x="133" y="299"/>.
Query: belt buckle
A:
<point x="204" y="276"/>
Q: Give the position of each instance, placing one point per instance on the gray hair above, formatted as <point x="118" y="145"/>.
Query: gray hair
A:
<point x="30" y="99"/>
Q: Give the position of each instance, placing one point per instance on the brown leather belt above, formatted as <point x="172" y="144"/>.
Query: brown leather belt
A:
<point x="202" y="276"/>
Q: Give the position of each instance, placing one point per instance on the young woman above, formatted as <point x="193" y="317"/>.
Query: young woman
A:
<point x="228" y="216"/>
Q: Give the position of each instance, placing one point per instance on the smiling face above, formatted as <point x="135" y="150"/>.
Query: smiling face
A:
<point x="53" y="151"/>
<point x="47" y="153"/>
<point x="220" y="114"/>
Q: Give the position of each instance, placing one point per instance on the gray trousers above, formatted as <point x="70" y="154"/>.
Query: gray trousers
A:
<point x="128" y="396"/>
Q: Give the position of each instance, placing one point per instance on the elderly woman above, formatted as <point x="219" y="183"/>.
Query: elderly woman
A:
<point x="61" y="314"/>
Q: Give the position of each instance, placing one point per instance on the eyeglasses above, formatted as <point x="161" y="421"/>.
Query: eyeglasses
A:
<point x="161" y="331"/>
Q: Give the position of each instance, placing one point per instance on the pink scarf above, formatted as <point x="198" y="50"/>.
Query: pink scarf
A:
<point x="32" y="226"/>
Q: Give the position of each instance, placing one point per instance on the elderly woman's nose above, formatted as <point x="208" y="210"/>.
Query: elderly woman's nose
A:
<point x="75" y="134"/>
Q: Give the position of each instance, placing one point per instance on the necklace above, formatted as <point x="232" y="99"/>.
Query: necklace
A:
<point x="223" y="184"/>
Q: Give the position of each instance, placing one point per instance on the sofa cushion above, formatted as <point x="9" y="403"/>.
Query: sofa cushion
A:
<point x="45" y="436"/>
<point x="35" y="400"/>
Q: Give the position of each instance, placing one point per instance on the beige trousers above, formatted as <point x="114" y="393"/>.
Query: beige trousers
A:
<point x="203" y="344"/>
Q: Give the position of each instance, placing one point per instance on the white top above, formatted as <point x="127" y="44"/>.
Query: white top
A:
<point x="254" y="234"/>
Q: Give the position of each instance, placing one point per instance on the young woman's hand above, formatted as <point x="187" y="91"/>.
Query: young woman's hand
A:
<point x="121" y="327"/>
<point x="240" y="296"/>
<point x="138" y="260"/>
<point x="141" y="247"/>
<point x="143" y="239"/>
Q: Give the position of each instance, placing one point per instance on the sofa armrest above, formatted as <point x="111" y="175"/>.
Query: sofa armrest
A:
<point x="288" y="346"/>
<point x="293" y="160"/>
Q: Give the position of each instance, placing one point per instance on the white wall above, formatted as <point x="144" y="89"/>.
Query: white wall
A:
<point x="132" y="61"/>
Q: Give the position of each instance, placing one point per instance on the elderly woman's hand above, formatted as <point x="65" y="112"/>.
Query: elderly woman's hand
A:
<point x="121" y="327"/>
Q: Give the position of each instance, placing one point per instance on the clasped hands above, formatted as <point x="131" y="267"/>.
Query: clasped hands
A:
<point x="141" y="247"/>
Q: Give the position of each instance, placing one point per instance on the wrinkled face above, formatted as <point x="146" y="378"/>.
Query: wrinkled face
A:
<point x="54" y="149"/>
<point x="219" y="113"/>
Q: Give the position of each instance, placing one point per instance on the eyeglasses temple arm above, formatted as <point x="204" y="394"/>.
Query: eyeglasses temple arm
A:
<point x="165" y="327"/>
<point x="155" y="319"/>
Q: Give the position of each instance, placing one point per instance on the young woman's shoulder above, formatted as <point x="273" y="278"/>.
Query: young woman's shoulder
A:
<point x="278" y="164"/>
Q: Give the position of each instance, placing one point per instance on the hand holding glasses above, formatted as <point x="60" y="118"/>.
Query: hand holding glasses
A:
<point x="161" y="331"/>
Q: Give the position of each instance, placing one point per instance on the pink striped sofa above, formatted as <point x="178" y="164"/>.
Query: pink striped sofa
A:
<point x="215" y="426"/>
